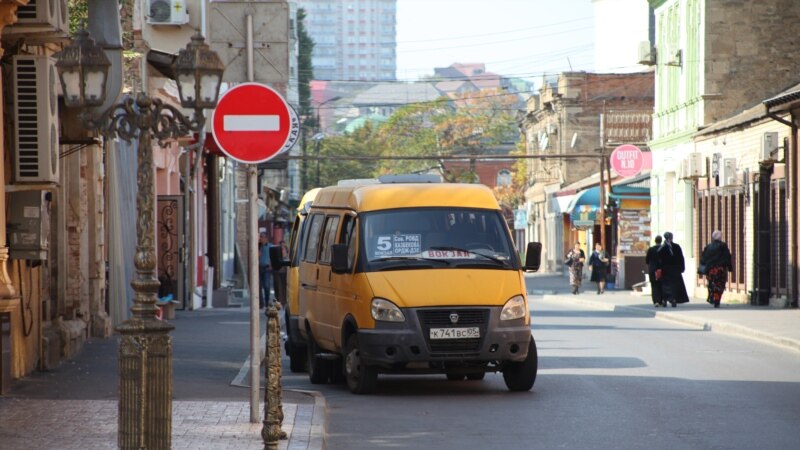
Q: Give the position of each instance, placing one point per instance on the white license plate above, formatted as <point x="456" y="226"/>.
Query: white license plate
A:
<point x="455" y="333"/>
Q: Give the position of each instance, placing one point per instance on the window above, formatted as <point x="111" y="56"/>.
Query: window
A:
<point x="349" y="237"/>
<point x="314" y="228"/>
<point x="331" y="225"/>
<point x="504" y="178"/>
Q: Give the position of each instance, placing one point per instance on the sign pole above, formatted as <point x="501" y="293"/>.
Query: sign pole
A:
<point x="252" y="124"/>
<point x="255" y="283"/>
<point x="602" y="210"/>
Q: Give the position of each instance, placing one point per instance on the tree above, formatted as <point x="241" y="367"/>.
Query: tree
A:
<point x="360" y="143"/>
<point x="513" y="195"/>
<point x="470" y="124"/>
<point x="305" y="49"/>
<point x="305" y="70"/>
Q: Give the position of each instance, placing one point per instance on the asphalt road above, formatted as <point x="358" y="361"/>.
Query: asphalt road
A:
<point x="606" y="380"/>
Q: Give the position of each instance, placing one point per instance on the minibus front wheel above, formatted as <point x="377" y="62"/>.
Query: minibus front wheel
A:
<point x="520" y="376"/>
<point x="361" y="378"/>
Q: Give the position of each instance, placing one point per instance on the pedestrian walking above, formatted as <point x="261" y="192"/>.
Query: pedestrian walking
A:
<point x="264" y="272"/>
<point x="575" y="259"/>
<point x="599" y="264"/>
<point x="651" y="259"/>
<point x="715" y="263"/>
<point x="671" y="264"/>
<point x="279" y="274"/>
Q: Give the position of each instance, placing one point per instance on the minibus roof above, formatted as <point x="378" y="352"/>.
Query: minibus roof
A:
<point x="373" y="197"/>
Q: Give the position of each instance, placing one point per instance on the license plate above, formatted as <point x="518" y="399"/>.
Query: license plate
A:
<point x="455" y="333"/>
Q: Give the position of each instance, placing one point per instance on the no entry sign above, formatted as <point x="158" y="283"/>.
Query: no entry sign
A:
<point x="627" y="160"/>
<point x="252" y="123"/>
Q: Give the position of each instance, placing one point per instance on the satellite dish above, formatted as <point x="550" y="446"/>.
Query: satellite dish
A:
<point x="574" y="140"/>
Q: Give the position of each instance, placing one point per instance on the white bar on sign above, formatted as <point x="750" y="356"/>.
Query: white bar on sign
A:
<point x="251" y="123"/>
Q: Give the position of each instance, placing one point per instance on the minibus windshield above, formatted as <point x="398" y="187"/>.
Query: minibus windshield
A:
<point x="437" y="237"/>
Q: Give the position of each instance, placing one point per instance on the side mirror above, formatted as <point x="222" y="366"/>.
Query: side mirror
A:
<point x="533" y="257"/>
<point x="276" y="258"/>
<point x="339" y="258"/>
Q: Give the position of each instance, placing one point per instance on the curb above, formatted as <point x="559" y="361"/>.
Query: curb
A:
<point x="717" y="326"/>
<point x="318" y="419"/>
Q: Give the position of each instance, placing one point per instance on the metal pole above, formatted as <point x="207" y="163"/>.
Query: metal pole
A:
<point x="602" y="210"/>
<point x="316" y="151"/>
<point x="145" y="350"/>
<point x="255" y="353"/>
<point x="252" y="185"/>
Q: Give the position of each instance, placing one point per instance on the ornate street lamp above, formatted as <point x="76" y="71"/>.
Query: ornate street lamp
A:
<point x="145" y="352"/>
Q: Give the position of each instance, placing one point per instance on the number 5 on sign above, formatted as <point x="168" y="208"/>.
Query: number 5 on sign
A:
<point x="384" y="243"/>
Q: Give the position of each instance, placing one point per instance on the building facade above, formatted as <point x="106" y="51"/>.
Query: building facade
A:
<point x="714" y="59"/>
<point x="353" y="39"/>
<point x="567" y="118"/>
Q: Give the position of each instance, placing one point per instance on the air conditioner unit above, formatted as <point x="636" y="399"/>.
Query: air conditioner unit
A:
<point x="41" y="16"/>
<point x="647" y="53"/>
<point x="35" y="151"/>
<point x="769" y="146"/>
<point x="167" y="12"/>
<point x="727" y="173"/>
<point x="695" y="166"/>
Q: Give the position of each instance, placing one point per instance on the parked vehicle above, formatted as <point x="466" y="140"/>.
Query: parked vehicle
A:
<point x="398" y="277"/>
<point x="295" y="345"/>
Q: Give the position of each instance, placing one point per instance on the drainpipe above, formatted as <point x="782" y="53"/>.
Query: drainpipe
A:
<point x="791" y="183"/>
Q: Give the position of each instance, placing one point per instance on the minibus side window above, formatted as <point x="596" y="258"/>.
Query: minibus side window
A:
<point x="312" y="242"/>
<point x="294" y="242"/>
<point x="329" y="238"/>
<point x="349" y="237"/>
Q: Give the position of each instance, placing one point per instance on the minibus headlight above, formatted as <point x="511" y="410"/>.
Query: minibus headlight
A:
<point x="386" y="311"/>
<point x="515" y="308"/>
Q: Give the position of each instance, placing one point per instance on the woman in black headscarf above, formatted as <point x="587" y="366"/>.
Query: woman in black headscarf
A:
<point x="672" y="265"/>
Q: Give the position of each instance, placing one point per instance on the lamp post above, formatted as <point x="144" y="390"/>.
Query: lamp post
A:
<point x="145" y="352"/>
<point x="319" y="135"/>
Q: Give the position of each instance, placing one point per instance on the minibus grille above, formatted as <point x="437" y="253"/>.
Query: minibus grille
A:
<point x="440" y="318"/>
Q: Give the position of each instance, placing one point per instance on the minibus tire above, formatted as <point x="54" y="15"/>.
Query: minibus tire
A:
<point x="319" y="370"/>
<point x="297" y="357"/>
<point x="361" y="378"/>
<point x="295" y="352"/>
<point x="520" y="376"/>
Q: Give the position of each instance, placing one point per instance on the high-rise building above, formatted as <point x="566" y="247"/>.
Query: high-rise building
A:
<point x="353" y="39"/>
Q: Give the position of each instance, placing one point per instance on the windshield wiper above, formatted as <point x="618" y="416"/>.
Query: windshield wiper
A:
<point x="458" y="249"/>
<point x="409" y="258"/>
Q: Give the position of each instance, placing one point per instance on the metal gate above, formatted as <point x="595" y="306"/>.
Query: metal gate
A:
<point x="170" y="245"/>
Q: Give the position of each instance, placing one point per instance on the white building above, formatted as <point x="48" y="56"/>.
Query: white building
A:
<point x="353" y="39"/>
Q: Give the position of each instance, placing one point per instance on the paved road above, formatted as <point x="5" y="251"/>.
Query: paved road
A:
<point x="607" y="379"/>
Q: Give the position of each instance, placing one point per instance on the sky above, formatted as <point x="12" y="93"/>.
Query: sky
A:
<point x="514" y="38"/>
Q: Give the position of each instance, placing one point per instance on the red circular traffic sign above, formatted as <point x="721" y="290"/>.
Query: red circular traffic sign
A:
<point x="252" y="123"/>
<point x="627" y="160"/>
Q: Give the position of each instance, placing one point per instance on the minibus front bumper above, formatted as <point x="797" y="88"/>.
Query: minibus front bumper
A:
<point x="455" y="334"/>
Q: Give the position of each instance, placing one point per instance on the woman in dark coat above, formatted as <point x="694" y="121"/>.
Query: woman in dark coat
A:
<point x="716" y="260"/>
<point x="599" y="263"/>
<point x="651" y="259"/>
<point x="672" y="265"/>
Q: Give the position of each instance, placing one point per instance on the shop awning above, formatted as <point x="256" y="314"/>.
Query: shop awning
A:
<point x="583" y="208"/>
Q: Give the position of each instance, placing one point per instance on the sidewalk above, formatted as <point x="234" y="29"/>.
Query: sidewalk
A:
<point x="780" y="327"/>
<point x="75" y="405"/>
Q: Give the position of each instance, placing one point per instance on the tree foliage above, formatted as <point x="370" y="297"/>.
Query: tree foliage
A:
<point x="305" y="70"/>
<point x="470" y="124"/>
